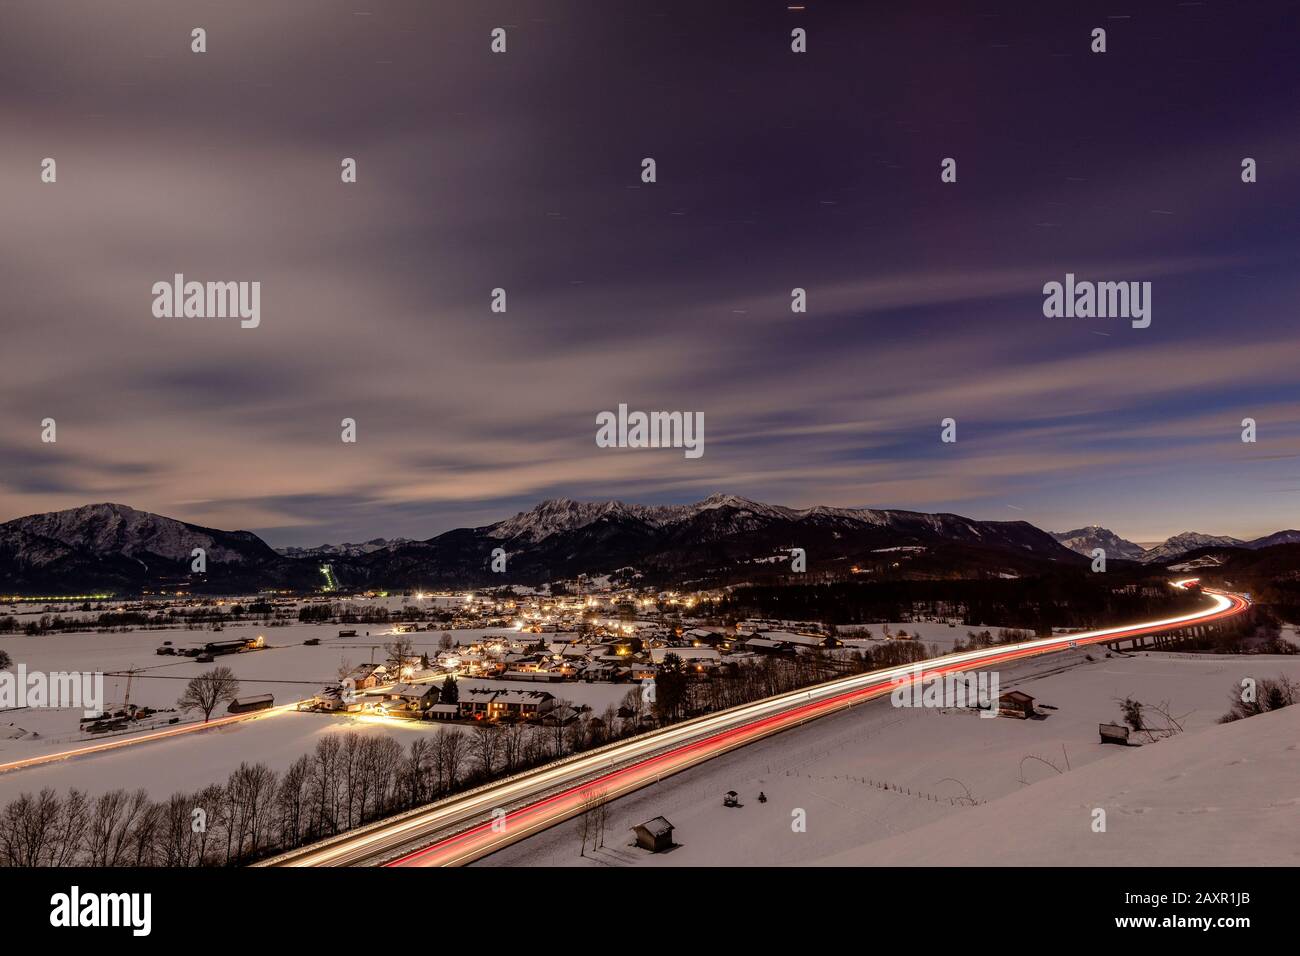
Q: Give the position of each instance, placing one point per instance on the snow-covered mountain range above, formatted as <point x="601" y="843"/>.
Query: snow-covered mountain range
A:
<point x="723" y="537"/>
<point x="1084" y="540"/>
<point x="347" y="549"/>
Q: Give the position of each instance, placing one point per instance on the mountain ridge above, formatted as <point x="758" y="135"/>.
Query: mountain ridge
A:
<point x="718" y="538"/>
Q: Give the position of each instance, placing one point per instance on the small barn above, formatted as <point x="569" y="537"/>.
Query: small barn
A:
<point x="1016" y="703"/>
<point x="654" y="835"/>
<point x="1113" y="734"/>
<point x="241" y="705"/>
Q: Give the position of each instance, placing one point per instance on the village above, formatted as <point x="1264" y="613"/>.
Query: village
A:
<point x="616" y="637"/>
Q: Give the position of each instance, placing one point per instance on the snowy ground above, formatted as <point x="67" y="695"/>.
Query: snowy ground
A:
<point x="192" y="761"/>
<point x="938" y="634"/>
<point x="879" y="773"/>
<point x="286" y="668"/>
<point x="1228" y="795"/>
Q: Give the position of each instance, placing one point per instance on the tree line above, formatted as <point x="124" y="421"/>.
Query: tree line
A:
<point x="1039" y="603"/>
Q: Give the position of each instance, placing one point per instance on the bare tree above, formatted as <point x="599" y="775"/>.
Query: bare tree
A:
<point x="209" y="690"/>
<point x="146" y="827"/>
<point x="634" y="704"/>
<point x="486" y="746"/>
<point x="178" y="841"/>
<point x="537" y="747"/>
<point x="513" y="740"/>
<point x="27" y="829"/>
<point x="112" y="820"/>
<point x="353" y="779"/>
<point x="345" y="668"/>
<point x="291" y="799"/>
<point x="400" y="649"/>
<point x="602" y="818"/>
<point x="587" y="818"/>
<point x="451" y="752"/>
<point x="416" y="769"/>
<point x="323" y="786"/>
<point x="1138" y="716"/>
<point x="252" y="787"/>
<point x="208" y="800"/>
<point x="70" y="830"/>
<point x="381" y="760"/>
<point x="594" y="816"/>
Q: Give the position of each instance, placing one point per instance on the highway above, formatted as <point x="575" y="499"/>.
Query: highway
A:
<point x="469" y="826"/>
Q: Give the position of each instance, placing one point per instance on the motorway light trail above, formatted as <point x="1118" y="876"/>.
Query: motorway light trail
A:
<point x="132" y="739"/>
<point x="460" y="829"/>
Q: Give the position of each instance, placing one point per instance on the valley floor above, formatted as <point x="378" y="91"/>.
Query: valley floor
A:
<point x="880" y="785"/>
<point x="286" y="668"/>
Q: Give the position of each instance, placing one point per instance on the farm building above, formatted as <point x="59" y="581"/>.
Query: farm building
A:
<point x="654" y="835"/>
<point x="242" y="705"/>
<point x="1016" y="703"/>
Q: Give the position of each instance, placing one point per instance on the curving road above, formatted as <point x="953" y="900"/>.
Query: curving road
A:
<point x="472" y="825"/>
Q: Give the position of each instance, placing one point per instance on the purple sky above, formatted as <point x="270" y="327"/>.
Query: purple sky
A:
<point x="775" y="170"/>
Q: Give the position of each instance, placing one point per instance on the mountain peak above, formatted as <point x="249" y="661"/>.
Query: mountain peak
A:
<point x="110" y="542"/>
<point x="1185" y="541"/>
<point x="556" y="515"/>
<point x="1087" y="539"/>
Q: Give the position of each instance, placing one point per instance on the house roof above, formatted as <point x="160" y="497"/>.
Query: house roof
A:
<point x="790" y="637"/>
<point x="522" y="697"/>
<point x="659" y="826"/>
<point x="657" y="654"/>
<point x="703" y="632"/>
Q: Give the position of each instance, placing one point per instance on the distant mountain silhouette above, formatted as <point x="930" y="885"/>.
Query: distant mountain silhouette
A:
<point x="724" y="538"/>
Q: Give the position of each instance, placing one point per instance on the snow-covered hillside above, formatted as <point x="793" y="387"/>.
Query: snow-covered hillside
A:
<point x="1181" y="544"/>
<point x="879" y="784"/>
<point x="1226" y="796"/>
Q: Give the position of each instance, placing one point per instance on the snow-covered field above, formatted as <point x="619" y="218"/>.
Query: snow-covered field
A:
<point x="192" y="761"/>
<point x="286" y="668"/>
<point x="1228" y="795"/>
<point x="880" y="773"/>
<point x="928" y="633"/>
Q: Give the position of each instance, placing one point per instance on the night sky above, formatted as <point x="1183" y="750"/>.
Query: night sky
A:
<point x="775" y="170"/>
